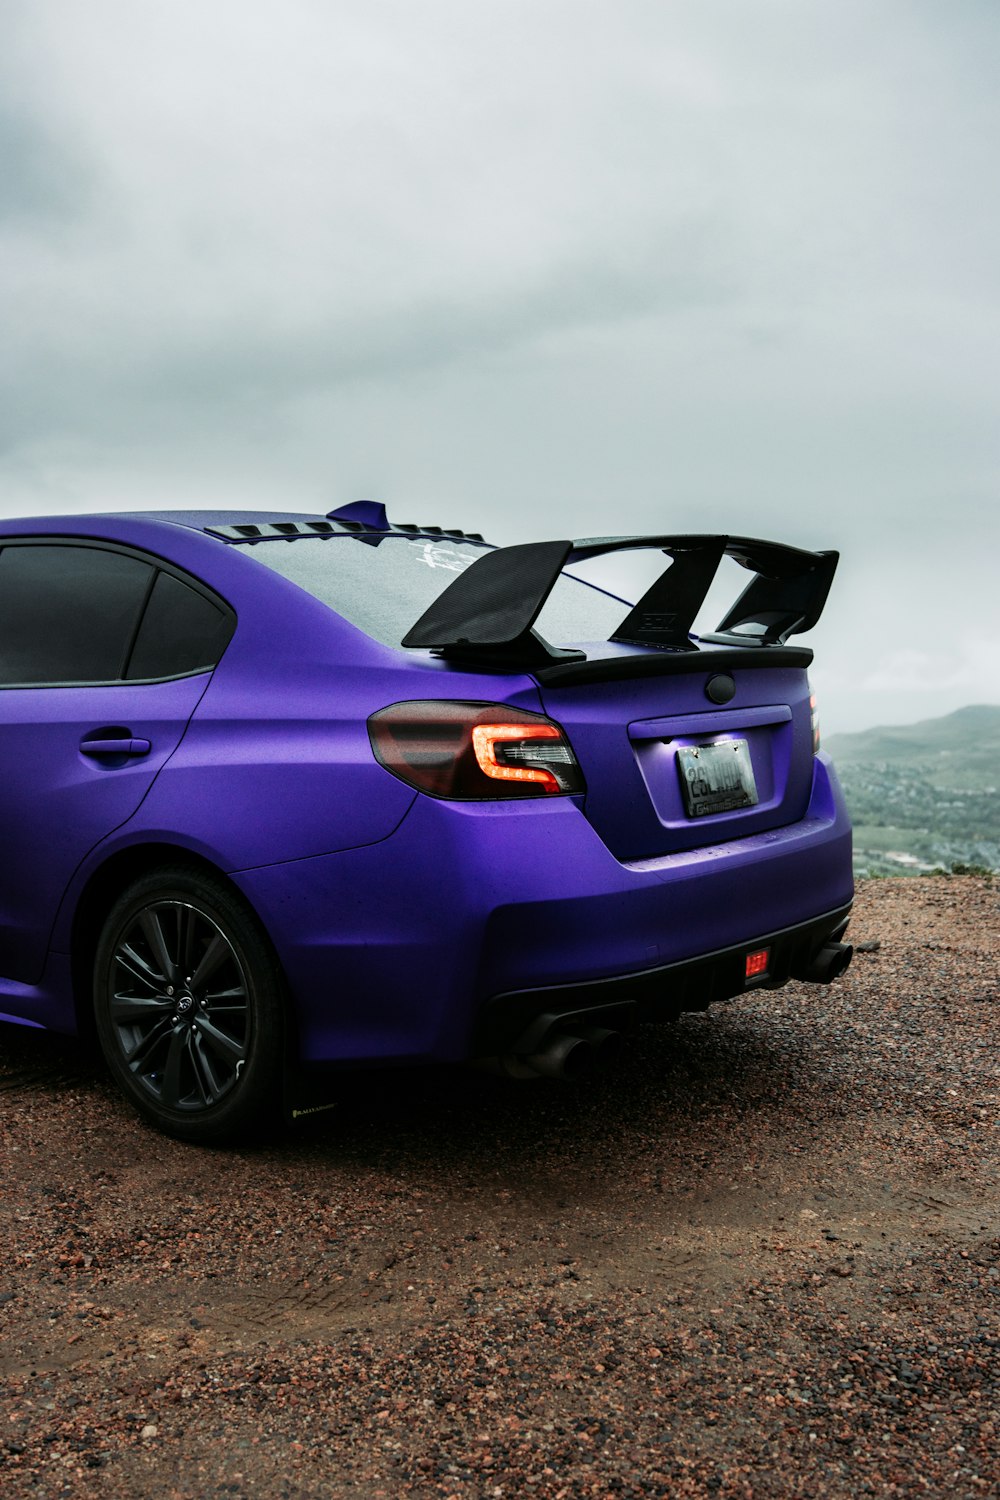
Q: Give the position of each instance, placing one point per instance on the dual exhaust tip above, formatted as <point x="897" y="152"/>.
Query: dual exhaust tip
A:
<point x="576" y="1054"/>
<point x="588" y="1050"/>
<point x="580" y="1053"/>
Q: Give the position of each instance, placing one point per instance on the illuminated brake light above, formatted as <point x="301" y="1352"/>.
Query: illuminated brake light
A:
<point x="474" y="752"/>
<point x="757" y="963"/>
<point x="495" y="752"/>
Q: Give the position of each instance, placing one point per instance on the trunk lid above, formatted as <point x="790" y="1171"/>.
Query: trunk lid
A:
<point x="635" y="740"/>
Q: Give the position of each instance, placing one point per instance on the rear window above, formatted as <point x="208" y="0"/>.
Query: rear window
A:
<point x="384" y="586"/>
<point x="182" y="631"/>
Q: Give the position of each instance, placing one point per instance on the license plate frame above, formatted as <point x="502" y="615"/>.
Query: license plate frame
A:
<point x="716" y="778"/>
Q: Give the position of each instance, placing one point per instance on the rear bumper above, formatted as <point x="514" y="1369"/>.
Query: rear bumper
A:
<point x="408" y="950"/>
<point x="521" y="1022"/>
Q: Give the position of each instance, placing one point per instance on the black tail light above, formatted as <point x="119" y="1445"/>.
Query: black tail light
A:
<point x="474" y="752"/>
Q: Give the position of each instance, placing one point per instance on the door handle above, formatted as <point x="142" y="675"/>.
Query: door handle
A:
<point x="115" y="746"/>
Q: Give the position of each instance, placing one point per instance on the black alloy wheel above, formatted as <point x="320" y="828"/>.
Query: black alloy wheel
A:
<point x="189" y="1006"/>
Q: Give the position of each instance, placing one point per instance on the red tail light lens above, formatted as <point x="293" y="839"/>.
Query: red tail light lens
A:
<point x="474" y="752"/>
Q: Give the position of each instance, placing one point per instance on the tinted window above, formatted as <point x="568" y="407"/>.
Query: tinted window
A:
<point x="181" y="631"/>
<point x="385" y="589"/>
<point x="67" y="614"/>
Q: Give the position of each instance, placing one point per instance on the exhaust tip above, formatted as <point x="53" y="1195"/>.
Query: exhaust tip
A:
<point x="605" y="1046"/>
<point x="842" y="960"/>
<point x="576" y="1054"/>
<point x="566" y="1056"/>
<point x="828" y="964"/>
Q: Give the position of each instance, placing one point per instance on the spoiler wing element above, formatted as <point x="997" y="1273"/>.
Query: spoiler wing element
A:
<point x="490" y="609"/>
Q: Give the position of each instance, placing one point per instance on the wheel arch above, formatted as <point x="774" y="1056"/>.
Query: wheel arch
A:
<point x="105" y="885"/>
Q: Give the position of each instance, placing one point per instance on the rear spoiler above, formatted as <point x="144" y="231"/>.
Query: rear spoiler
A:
<point x="490" y="609"/>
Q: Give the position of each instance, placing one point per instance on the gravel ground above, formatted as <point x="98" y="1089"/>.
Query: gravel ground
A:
<point x="760" y="1259"/>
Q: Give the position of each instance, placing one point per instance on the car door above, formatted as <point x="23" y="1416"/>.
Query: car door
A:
<point x="94" y="698"/>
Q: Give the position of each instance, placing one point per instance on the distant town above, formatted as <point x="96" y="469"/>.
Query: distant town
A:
<point x="924" y="796"/>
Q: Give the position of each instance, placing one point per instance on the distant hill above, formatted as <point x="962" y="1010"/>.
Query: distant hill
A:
<point x="925" y="795"/>
<point x="960" y="748"/>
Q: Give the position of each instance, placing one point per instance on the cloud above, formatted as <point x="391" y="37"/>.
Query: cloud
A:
<point x="43" y="183"/>
<point x="967" y="666"/>
<point x="543" y="265"/>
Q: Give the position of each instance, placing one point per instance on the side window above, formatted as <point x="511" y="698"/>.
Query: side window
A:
<point x="181" y="631"/>
<point x="67" y="613"/>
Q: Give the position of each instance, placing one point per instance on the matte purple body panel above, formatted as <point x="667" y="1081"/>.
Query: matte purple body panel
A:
<point x="58" y="803"/>
<point x="395" y="915"/>
<point x="478" y="899"/>
<point x="308" y="776"/>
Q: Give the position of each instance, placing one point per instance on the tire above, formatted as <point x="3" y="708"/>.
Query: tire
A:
<point x="189" y="1006"/>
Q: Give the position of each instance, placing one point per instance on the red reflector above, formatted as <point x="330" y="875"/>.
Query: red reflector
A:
<point x="757" y="962"/>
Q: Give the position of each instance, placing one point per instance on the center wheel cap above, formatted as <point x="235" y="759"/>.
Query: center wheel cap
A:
<point x="184" y="1005"/>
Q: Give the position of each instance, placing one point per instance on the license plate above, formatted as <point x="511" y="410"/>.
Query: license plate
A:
<point x="716" y="778"/>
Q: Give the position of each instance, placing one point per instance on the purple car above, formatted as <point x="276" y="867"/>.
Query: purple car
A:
<point x="286" y="793"/>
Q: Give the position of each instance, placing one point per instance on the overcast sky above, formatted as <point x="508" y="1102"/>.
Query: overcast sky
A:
<point x="531" y="267"/>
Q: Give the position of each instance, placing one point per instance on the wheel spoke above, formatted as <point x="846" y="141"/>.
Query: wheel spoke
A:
<point x="204" y="1072"/>
<point x="216" y="999"/>
<point x="133" y="963"/>
<point x="215" y="954"/>
<point x="185" y="919"/>
<point x="138" y="1010"/>
<point x="147" y="1045"/>
<point x="152" y="927"/>
<point x="170" y="1087"/>
<point x="228" y="1051"/>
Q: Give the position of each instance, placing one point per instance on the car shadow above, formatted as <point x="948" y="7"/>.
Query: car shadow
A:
<point x="681" y="1082"/>
<point x="678" y="1084"/>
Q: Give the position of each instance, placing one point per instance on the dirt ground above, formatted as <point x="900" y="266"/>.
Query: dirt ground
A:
<point x="759" y="1259"/>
